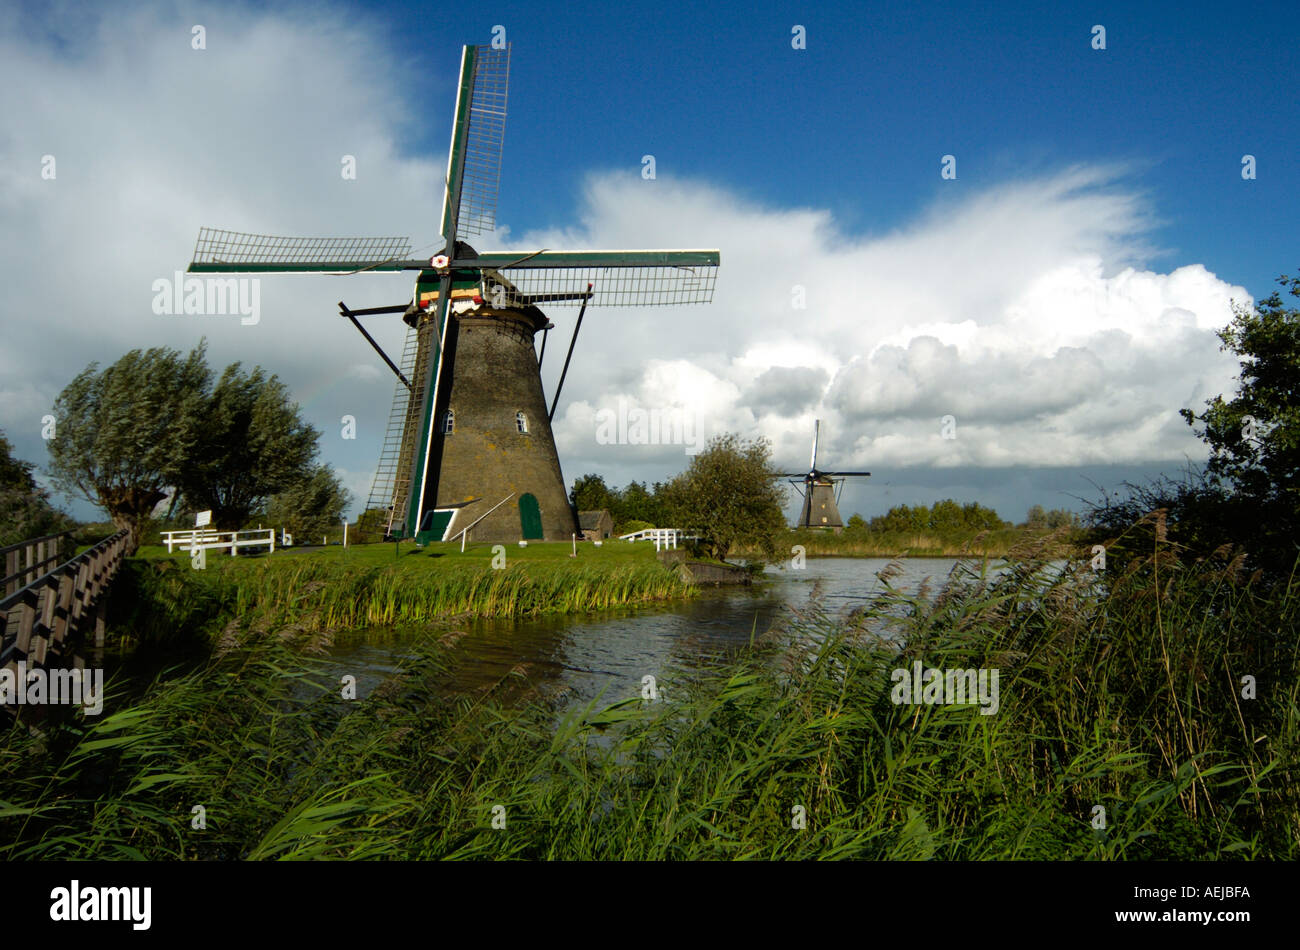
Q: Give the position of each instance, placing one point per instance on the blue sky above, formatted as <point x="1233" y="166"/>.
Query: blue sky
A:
<point x="1059" y="297"/>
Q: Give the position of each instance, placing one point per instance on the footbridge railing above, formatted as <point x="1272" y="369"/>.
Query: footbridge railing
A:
<point x="41" y="621"/>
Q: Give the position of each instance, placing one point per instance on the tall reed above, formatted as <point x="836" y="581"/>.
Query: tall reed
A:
<point x="1121" y="689"/>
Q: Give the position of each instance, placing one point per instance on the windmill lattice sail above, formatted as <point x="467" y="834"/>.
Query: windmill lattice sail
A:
<point x="218" y="251"/>
<point x="481" y="181"/>
<point x="689" y="279"/>
<point x="390" y="489"/>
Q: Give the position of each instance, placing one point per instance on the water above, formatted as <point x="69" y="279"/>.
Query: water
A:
<point x="581" y="655"/>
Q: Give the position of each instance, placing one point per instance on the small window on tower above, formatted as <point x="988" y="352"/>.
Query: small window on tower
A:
<point x="521" y="422"/>
<point x="449" y="421"/>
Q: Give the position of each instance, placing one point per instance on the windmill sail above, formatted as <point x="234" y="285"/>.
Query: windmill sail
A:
<point x="236" y="252"/>
<point x="484" y="138"/>
<point x="390" y="488"/>
<point x="618" y="278"/>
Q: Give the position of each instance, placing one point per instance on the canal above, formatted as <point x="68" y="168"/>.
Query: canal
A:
<point x="580" y="656"/>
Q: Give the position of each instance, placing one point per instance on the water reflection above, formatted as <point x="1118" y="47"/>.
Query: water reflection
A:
<point x="612" y="651"/>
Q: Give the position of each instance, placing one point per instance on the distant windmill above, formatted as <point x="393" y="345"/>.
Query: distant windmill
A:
<point x="821" y="491"/>
<point x="469" y="435"/>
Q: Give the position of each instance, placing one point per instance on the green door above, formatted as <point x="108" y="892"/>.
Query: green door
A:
<point x="530" y="517"/>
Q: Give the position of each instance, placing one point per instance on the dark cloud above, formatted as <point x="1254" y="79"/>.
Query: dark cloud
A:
<point x="786" y="390"/>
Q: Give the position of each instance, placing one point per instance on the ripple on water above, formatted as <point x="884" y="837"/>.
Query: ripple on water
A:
<point x="611" y="651"/>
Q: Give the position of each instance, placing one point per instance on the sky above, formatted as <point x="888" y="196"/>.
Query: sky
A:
<point x="1020" y="331"/>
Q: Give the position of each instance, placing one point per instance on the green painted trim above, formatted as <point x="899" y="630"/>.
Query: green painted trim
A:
<point x="416" y="501"/>
<point x="665" y="258"/>
<point x="441" y="521"/>
<point x="346" y="267"/>
<point x="432" y="280"/>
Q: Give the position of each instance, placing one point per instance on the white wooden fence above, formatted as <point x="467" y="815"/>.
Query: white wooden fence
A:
<point x="667" y="537"/>
<point x="204" y="538"/>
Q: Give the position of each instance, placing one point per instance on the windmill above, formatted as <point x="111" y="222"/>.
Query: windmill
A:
<point x="820" y="490"/>
<point x="469" y="436"/>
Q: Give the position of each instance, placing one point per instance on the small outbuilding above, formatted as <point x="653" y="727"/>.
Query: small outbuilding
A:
<point x="596" y="525"/>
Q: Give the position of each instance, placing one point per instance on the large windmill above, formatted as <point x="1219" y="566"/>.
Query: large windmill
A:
<point x="469" y="437"/>
<point x="820" y="490"/>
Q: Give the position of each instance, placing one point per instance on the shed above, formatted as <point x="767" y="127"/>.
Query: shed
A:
<point x="596" y="525"/>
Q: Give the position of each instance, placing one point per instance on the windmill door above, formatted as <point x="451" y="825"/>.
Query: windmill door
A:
<point x="530" y="517"/>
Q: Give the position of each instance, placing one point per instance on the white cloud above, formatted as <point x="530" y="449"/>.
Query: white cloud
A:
<point x="1023" y="311"/>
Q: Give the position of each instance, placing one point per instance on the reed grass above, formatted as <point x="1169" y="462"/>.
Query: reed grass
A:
<point x="1120" y="689"/>
<point x="233" y="599"/>
<point x="892" y="544"/>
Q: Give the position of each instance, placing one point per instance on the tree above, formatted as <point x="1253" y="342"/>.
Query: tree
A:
<point x="946" y="515"/>
<point x="252" y="444"/>
<point x="590" y="493"/>
<point x="896" y="519"/>
<point x="311" y="506"/>
<point x="1036" y="519"/>
<point x="731" y="495"/>
<point x="977" y="517"/>
<point x="637" y="503"/>
<point x="124" y="435"/>
<point x="856" y="524"/>
<point x="1061" y="518"/>
<point x="25" y="509"/>
<point x="1255" y="436"/>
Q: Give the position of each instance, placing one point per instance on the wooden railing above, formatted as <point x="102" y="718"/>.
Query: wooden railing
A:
<point x="205" y="538"/>
<point x="667" y="537"/>
<point x="40" y="622"/>
<point x="28" y="560"/>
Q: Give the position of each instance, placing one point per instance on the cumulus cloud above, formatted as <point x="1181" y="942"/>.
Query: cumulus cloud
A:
<point x="787" y="390"/>
<point x="1025" y="312"/>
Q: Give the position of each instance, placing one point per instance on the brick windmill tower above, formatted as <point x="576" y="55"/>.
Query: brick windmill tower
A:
<point x="469" y="437"/>
<point x="821" y="491"/>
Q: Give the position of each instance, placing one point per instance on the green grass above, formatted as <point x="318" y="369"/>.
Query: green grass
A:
<point x="1122" y="691"/>
<point x="322" y="592"/>
<point x="1001" y="543"/>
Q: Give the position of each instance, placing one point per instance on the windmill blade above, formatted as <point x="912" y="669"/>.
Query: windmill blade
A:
<point x="842" y="474"/>
<point x="817" y="426"/>
<point x="484" y="138"/>
<point x="621" y="278"/>
<point x="235" y="252"/>
<point x="390" y="490"/>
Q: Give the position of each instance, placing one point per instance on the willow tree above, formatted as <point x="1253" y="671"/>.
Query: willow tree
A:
<point x="253" y="444"/>
<point x="311" y="506"/>
<point x="123" y="435"/>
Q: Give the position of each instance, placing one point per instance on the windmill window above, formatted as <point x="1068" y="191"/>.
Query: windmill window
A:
<point x="449" y="421"/>
<point x="521" y="422"/>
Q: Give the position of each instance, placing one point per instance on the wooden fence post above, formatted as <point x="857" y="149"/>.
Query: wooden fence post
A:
<point x="101" y="607"/>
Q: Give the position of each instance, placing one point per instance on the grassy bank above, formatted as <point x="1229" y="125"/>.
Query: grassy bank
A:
<point x="327" y="590"/>
<point x="1124" y="694"/>
<point x="892" y="544"/>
